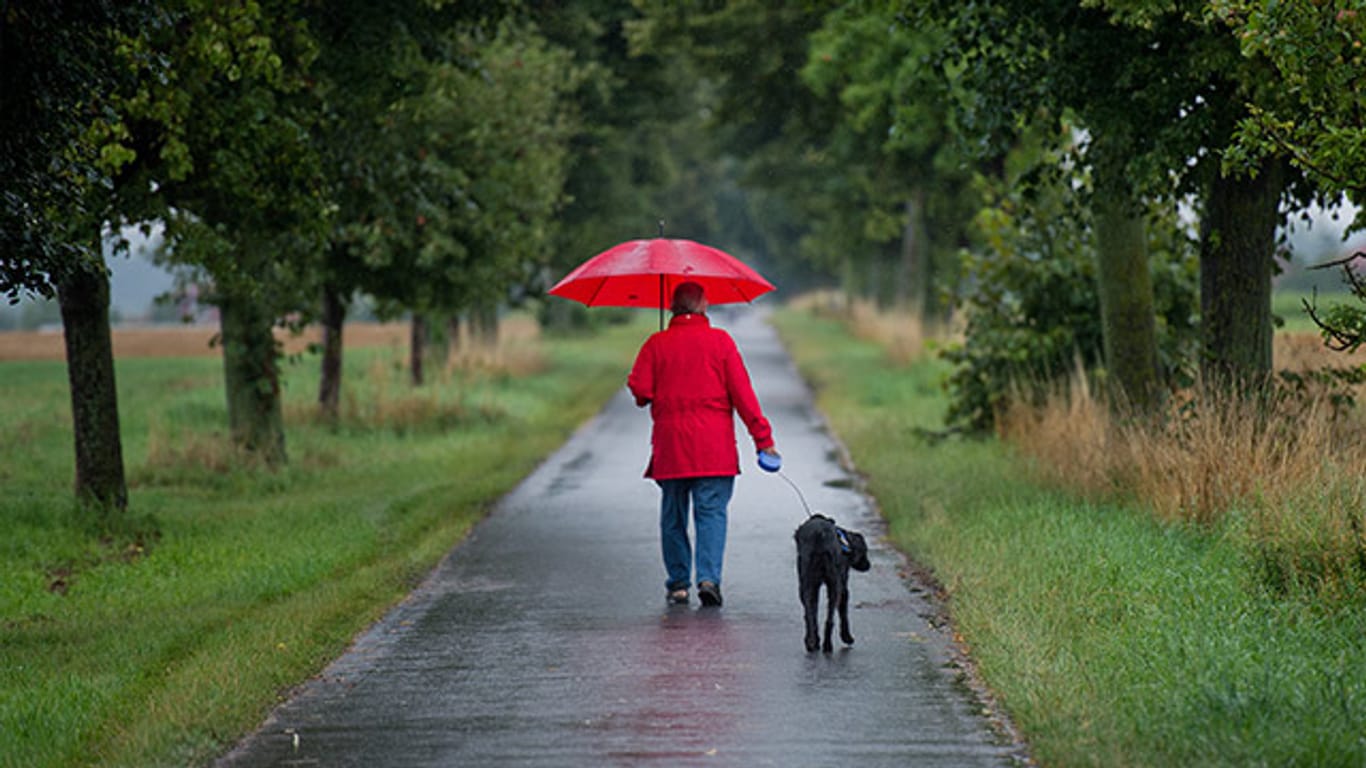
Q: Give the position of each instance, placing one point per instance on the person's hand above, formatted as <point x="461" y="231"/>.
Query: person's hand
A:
<point x="769" y="460"/>
<point x="772" y="451"/>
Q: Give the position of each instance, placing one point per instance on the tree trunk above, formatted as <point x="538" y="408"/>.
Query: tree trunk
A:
<point x="1237" y="251"/>
<point x="849" y="285"/>
<point x="883" y="273"/>
<point x="453" y="335"/>
<point x="84" y="299"/>
<point x="251" y="367"/>
<point x="417" y="346"/>
<point x="484" y="326"/>
<point x="918" y="293"/>
<point x="1128" y="319"/>
<point x="329" y="385"/>
<point x="438" y="349"/>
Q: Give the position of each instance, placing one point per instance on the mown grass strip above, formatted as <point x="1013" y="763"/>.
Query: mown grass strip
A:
<point x="175" y="631"/>
<point x="1111" y="639"/>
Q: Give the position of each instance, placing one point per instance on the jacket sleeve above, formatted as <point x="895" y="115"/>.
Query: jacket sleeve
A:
<point x="641" y="382"/>
<point x="743" y="398"/>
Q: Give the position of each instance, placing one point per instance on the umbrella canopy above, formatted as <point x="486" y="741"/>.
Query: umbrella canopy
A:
<point x="644" y="273"/>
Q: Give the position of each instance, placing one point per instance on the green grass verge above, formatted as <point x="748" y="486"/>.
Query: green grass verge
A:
<point x="1111" y="640"/>
<point x="1287" y="306"/>
<point x="160" y="638"/>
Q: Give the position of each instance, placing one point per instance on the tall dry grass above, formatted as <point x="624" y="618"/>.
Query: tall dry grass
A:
<point x="172" y="450"/>
<point x="1282" y="473"/>
<point x="1209" y="454"/>
<point x="1305" y="351"/>
<point x="384" y="397"/>
<point x="515" y="352"/>
<point x="380" y="397"/>
<point x="899" y="331"/>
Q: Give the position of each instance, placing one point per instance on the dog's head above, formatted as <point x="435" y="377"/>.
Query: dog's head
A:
<point x="855" y="549"/>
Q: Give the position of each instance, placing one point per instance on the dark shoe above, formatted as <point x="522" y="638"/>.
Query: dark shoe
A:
<point x="709" y="594"/>
<point x="677" y="597"/>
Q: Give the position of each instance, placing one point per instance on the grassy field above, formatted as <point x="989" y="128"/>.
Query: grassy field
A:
<point x="1111" y="639"/>
<point x="159" y="638"/>
<point x="1289" y="307"/>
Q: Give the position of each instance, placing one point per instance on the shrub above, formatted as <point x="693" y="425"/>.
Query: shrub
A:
<point x="1032" y="308"/>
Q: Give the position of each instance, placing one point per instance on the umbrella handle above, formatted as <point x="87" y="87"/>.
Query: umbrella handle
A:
<point x="661" y="284"/>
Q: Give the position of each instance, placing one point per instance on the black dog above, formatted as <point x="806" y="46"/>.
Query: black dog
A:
<point x="825" y="553"/>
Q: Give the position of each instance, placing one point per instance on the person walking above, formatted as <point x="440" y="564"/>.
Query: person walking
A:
<point x="693" y="379"/>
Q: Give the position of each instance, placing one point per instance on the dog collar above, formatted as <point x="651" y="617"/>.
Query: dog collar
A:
<point x="844" y="540"/>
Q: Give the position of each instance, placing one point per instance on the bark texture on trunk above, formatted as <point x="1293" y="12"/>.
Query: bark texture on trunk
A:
<point x="484" y="325"/>
<point x="1237" y="252"/>
<point x="1128" y="322"/>
<point x="251" y="368"/>
<point x="453" y="336"/>
<point x="330" y="381"/>
<point x="417" y="349"/>
<point x="917" y="267"/>
<point x="84" y="299"/>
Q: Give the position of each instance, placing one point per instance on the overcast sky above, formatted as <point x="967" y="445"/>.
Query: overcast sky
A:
<point x="134" y="280"/>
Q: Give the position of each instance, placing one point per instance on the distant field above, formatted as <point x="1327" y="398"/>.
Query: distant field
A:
<point x="1298" y="345"/>
<point x="186" y="341"/>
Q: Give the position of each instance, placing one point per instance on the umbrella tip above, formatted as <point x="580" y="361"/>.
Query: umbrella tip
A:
<point x="661" y="227"/>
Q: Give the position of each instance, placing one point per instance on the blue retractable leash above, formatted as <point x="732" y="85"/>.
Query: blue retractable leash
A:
<point x="773" y="464"/>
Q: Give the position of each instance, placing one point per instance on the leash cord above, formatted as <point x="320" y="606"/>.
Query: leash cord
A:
<point x="799" y="492"/>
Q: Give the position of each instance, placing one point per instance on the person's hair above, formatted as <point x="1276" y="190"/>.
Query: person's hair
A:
<point x="689" y="299"/>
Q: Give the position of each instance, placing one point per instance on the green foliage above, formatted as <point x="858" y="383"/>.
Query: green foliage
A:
<point x="450" y="186"/>
<point x="1032" y="307"/>
<point x="59" y="68"/>
<point x="1317" y="51"/>
<point x="225" y="137"/>
<point x="495" y="128"/>
<point x="1032" y="319"/>
<point x="1153" y="91"/>
<point x="1343" y="326"/>
<point x="230" y="126"/>
<point x="895" y="183"/>
<point x="760" y="112"/>
<point x="642" y="152"/>
<point x="1153" y="78"/>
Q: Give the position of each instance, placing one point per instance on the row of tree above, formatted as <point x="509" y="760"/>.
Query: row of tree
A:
<point x="428" y="154"/>
<point x="1092" y="157"/>
<point x="440" y="157"/>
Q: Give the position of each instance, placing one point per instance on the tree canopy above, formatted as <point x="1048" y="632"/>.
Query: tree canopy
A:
<point x="446" y="157"/>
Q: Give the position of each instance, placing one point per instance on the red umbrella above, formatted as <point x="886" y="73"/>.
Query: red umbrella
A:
<point x="643" y="273"/>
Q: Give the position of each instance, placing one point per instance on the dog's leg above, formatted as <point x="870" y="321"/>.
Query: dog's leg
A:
<point x="845" y="634"/>
<point x="833" y="595"/>
<point x="810" y="593"/>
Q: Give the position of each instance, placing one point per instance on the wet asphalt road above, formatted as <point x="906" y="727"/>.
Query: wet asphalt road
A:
<point x="544" y="640"/>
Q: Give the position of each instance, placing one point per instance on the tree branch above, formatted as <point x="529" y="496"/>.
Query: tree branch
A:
<point x="1339" y="339"/>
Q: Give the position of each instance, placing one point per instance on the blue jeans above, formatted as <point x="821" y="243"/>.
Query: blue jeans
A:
<point x="709" y="497"/>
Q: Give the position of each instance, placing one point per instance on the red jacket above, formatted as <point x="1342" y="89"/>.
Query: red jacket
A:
<point x="692" y="377"/>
